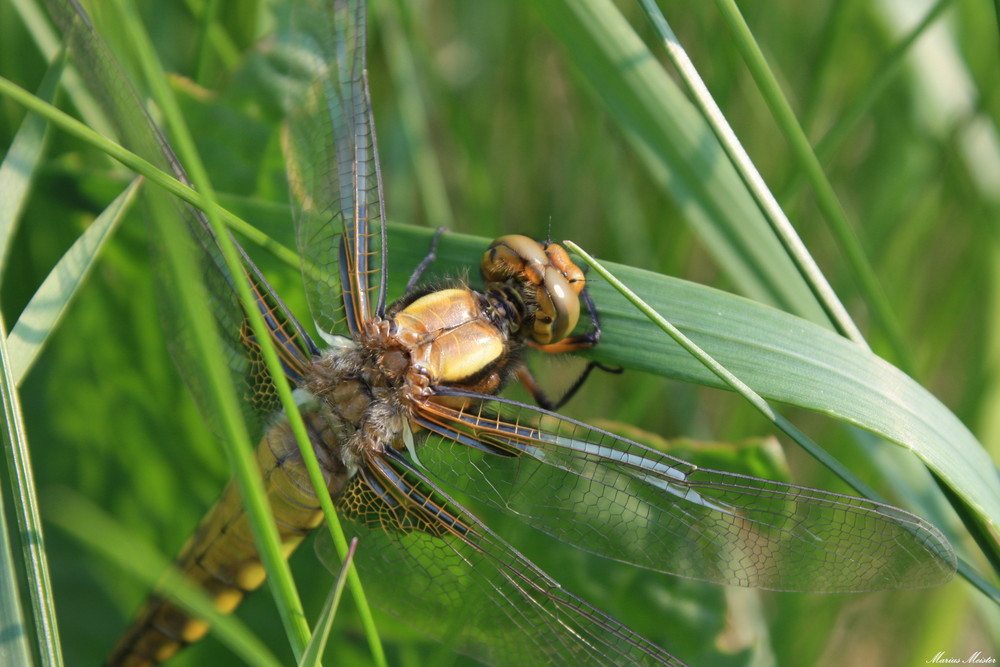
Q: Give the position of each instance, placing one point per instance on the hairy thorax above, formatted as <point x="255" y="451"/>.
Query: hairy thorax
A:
<point x="368" y="390"/>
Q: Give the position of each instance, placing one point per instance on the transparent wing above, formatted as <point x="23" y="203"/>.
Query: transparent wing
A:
<point x="425" y="559"/>
<point x="106" y="78"/>
<point x="616" y="498"/>
<point x="333" y="169"/>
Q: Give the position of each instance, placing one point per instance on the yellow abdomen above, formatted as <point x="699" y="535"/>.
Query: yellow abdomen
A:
<point x="221" y="557"/>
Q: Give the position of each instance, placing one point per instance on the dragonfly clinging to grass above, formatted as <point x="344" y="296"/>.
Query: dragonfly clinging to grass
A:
<point x="402" y="408"/>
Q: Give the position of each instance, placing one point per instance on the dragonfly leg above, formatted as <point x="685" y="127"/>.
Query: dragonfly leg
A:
<point x="570" y="344"/>
<point x="529" y="382"/>
<point x="430" y="257"/>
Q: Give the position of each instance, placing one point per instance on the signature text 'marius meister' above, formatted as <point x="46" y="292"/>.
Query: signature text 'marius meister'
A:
<point x="976" y="658"/>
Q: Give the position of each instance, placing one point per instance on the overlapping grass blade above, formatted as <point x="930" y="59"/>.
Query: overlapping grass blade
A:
<point x="43" y="312"/>
<point x="16" y="648"/>
<point x="680" y="151"/>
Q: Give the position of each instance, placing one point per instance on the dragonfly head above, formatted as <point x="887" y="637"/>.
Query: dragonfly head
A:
<point x="546" y="279"/>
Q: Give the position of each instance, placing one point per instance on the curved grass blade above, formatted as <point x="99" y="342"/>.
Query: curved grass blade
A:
<point x="931" y="452"/>
<point x="22" y="158"/>
<point x="46" y="629"/>
<point x="43" y="615"/>
<point x="782" y="357"/>
<point x="43" y="312"/>
<point x="106" y="77"/>
<point x="754" y="182"/>
<point x="680" y="151"/>
<point x="155" y="175"/>
<point x="826" y="198"/>
<point x="316" y="646"/>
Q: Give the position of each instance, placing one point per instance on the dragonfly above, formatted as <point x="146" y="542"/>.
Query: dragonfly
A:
<point x="403" y="409"/>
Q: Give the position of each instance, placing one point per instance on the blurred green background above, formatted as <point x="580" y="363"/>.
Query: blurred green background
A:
<point x="487" y="126"/>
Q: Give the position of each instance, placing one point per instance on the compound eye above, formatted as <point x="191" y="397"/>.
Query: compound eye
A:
<point x="559" y="258"/>
<point x="557" y="310"/>
<point x="513" y="255"/>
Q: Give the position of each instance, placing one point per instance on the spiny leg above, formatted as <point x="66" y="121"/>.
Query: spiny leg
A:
<point x="528" y="381"/>
<point x="430" y="257"/>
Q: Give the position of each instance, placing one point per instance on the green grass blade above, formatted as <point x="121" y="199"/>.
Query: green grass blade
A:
<point x="48" y="43"/>
<point x="826" y="198"/>
<point x="737" y="385"/>
<point x="43" y="312"/>
<point x="281" y="578"/>
<point x="193" y="301"/>
<point x="314" y="650"/>
<point x="15" y="650"/>
<point x="754" y="182"/>
<point x="141" y="166"/>
<point x="680" y="151"/>
<point x="36" y="579"/>
<point x="77" y="129"/>
<point x="782" y="357"/>
<point x="792" y="361"/>
<point x="22" y="160"/>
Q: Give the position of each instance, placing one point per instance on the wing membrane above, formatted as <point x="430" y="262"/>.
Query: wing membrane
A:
<point x="107" y="80"/>
<point x="333" y="169"/>
<point x="425" y="558"/>
<point x="295" y="348"/>
<point x="616" y="498"/>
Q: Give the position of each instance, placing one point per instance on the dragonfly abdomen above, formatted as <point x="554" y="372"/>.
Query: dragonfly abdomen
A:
<point x="221" y="557"/>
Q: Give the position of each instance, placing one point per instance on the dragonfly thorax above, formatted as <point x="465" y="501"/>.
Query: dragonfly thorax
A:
<point x="361" y="407"/>
<point x="452" y="337"/>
